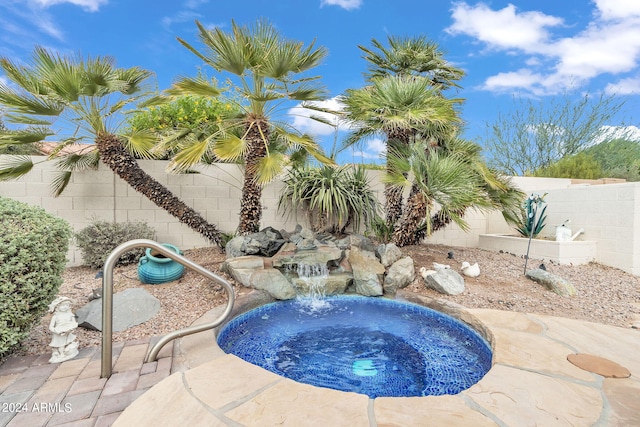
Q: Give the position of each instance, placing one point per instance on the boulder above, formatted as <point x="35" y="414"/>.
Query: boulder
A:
<point x="241" y="268"/>
<point x="306" y="233"/>
<point x="233" y="247"/>
<point x="446" y="281"/>
<point x="251" y="246"/>
<point x="306" y="244"/>
<point x="273" y="282"/>
<point x="321" y="255"/>
<point x="367" y="272"/>
<point x="334" y="284"/>
<point x="388" y="254"/>
<point x="552" y="282"/>
<point x="269" y="240"/>
<point x="248" y="261"/>
<point x="130" y="308"/>
<point x="266" y="243"/>
<point x="356" y="240"/>
<point x="400" y="275"/>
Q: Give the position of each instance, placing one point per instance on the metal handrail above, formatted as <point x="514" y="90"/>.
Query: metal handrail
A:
<point x="107" y="301"/>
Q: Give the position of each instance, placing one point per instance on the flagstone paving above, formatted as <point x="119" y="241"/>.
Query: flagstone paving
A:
<point x="194" y="383"/>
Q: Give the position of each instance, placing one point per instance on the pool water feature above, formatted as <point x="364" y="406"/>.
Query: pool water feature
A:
<point x="373" y="346"/>
<point x="315" y="277"/>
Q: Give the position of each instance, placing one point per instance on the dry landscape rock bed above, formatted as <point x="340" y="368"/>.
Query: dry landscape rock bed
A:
<point x="603" y="294"/>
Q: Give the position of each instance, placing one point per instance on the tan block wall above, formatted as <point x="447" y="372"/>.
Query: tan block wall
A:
<point x="610" y="214"/>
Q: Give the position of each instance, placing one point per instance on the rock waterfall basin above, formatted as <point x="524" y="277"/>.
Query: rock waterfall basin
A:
<point x="373" y="346"/>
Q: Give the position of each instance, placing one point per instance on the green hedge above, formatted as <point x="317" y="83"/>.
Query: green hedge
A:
<point x="33" y="249"/>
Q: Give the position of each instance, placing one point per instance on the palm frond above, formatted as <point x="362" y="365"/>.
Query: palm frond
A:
<point x="78" y="162"/>
<point x="190" y="154"/>
<point x="140" y="143"/>
<point x="60" y="181"/>
<point x="307" y="93"/>
<point x="198" y="86"/>
<point x="230" y="147"/>
<point x="24" y="119"/>
<point x="153" y="101"/>
<point x="25" y="136"/>
<point x="170" y="140"/>
<point x="270" y="167"/>
<point x="22" y="103"/>
<point x="13" y="167"/>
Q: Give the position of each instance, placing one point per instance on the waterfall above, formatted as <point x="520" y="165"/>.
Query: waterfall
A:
<point x="314" y="277"/>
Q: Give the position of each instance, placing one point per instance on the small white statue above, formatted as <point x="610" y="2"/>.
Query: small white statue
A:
<point x="62" y="325"/>
<point x="470" y="270"/>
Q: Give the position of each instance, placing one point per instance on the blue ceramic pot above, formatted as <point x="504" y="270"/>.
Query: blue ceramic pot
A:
<point x="154" y="268"/>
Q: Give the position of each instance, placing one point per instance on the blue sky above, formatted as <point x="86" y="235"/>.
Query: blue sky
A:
<point x="533" y="48"/>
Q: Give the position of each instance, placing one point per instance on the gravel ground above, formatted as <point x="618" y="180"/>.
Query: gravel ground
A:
<point x="603" y="294"/>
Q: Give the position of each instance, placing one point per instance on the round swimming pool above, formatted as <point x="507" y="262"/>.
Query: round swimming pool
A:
<point x="373" y="346"/>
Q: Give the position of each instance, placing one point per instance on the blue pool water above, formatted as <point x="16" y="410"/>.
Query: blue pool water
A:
<point x="373" y="346"/>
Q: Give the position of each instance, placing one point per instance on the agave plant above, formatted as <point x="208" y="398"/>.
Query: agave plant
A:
<point x="533" y="217"/>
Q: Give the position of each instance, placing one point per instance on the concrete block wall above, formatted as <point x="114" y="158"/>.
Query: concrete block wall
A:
<point x="610" y="214"/>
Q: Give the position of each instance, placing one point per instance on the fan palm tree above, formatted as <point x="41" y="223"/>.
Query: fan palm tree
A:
<point x="414" y="56"/>
<point x="402" y="108"/>
<point x="407" y="58"/>
<point x="445" y="182"/>
<point x="269" y="71"/>
<point x="88" y="95"/>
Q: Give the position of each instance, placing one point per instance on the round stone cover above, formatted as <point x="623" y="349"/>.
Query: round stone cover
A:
<point x="599" y="365"/>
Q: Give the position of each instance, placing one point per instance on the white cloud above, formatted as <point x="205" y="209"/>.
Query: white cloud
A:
<point x="615" y="9"/>
<point x="88" y="5"/>
<point x="513" y="79"/>
<point x="35" y="13"/>
<point x="188" y="15"/>
<point x="626" y="86"/>
<point x="374" y="149"/>
<point x="608" y="44"/>
<point x="502" y="29"/>
<point x="611" y="48"/>
<point x="194" y="4"/>
<point x="180" y="17"/>
<point x="303" y="121"/>
<point x="345" y="4"/>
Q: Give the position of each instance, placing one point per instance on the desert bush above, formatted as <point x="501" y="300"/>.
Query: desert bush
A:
<point x="579" y="166"/>
<point x="380" y="230"/>
<point x="33" y="249"/>
<point x="333" y="198"/>
<point x="100" y="238"/>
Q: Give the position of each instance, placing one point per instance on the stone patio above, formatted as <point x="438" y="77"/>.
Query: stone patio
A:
<point x="194" y="383"/>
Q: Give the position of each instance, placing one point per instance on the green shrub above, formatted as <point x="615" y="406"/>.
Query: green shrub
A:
<point x="99" y="239"/>
<point x="333" y="198"/>
<point x="578" y="166"/>
<point x="380" y="230"/>
<point x="33" y="249"/>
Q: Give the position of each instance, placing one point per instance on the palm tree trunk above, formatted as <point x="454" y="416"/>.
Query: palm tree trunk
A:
<point x="250" y="203"/>
<point x="114" y="155"/>
<point x="406" y="231"/>
<point x="392" y="193"/>
<point x="393" y="203"/>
